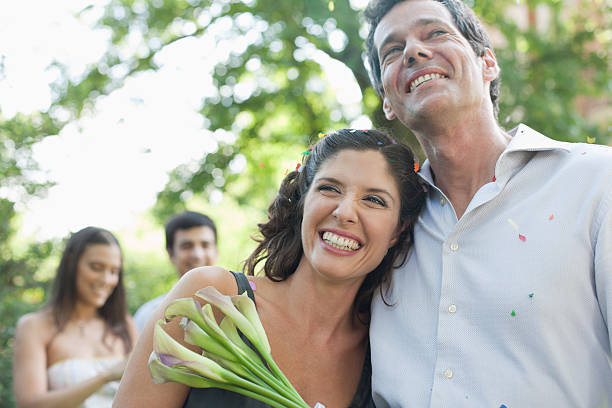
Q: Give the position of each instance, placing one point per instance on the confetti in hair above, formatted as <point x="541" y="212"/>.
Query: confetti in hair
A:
<point x="306" y="153"/>
<point x="353" y="130"/>
<point x="297" y="166"/>
<point x="286" y="171"/>
<point x="379" y="143"/>
<point x="322" y="135"/>
<point x="252" y="285"/>
<point x="417" y="166"/>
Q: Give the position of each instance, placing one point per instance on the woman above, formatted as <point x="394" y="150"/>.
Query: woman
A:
<point x="72" y="352"/>
<point x="336" y="228"/>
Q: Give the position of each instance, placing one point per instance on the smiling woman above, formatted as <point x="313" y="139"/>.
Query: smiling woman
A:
<point x="335" y="230"/>
<point x="72" y="352"/>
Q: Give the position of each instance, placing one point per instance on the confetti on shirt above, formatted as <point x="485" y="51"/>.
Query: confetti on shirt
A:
<point x="516" y="228"/>
<point x="513" y="313"/>
<point x="494" y="179"/>
<point x="551" y="217"/>
<point x="531" y="295"/>
<point x="252" y="285"/>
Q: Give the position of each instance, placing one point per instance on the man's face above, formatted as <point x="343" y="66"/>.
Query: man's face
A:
<point x="428" y="69"/>
<point x="192" y="248"/>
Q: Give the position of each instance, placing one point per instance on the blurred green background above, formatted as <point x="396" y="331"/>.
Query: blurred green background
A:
<point x="556" y="77"/>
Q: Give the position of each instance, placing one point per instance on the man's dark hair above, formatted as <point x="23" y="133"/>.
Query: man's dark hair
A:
<point x="184" y="221"/>
<point x="280" y="245"/>
<point x="465" y="20"/>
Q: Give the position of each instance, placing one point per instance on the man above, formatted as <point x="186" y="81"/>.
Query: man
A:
<point x="191" y="241"/>
<point x="506" y="299"/>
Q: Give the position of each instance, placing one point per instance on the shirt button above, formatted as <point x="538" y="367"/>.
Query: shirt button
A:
<point x="452" y="308"/>
<point x="454" y="246"/>
<point x="448" y="373"/>
<point x="442" y="200"/>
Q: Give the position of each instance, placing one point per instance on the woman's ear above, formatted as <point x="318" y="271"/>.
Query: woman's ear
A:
<point x="396" y="235"/>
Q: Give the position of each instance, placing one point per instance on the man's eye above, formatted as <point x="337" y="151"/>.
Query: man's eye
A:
<point x="437" y="33"/>
<point x="389" y="52"/>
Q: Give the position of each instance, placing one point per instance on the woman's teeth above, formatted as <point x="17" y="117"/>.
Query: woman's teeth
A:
<point x="339" y="242"/>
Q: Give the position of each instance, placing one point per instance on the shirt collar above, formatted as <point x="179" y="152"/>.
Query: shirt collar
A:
<point x="524" y="139"/>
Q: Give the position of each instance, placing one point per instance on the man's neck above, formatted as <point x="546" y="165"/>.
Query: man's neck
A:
<point x="463" y="158"/>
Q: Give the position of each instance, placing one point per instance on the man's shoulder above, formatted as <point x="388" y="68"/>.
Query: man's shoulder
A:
<point x="149" y="305"/>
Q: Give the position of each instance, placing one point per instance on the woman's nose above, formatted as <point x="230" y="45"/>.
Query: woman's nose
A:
<point x="345" y="211"/>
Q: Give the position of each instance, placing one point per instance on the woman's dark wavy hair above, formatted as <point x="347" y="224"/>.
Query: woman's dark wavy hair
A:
<point x="280" y="244"/>
<point x="64" y="294"/>
<point x="465" y="20"/>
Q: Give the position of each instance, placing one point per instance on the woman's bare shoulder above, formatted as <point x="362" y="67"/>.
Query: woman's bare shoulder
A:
<point x="39" y="322"/>
<point x="204" y="276"/>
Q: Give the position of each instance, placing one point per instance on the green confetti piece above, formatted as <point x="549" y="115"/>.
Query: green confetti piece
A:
<point x="513" y="313"/>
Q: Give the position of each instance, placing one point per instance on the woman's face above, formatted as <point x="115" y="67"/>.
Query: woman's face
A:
<point x="97" y="273"/>
<point x="351" y="215"/>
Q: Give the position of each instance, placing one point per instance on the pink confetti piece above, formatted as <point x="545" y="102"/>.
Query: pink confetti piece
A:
<point x="522" y="237"/>
<point x="551" y="217"/>
<point x="516" y="228"/>
<point x="583" y="153"/>
<point x="252" y="285"/>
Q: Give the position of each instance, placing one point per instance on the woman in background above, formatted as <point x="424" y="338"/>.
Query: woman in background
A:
<point x="72" y="352"/>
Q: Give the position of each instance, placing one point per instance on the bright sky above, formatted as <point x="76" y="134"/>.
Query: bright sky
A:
<point x="110" y="164"/>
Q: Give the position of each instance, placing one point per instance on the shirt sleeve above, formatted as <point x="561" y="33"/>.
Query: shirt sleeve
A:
<point x="603" y="264"/>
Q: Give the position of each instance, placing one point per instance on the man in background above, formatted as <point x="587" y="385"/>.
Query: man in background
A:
<point x="191" y="241"/>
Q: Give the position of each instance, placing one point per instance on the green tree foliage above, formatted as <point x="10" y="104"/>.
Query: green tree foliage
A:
<point x="21" y="290"/>
<point x="270" y="91"/>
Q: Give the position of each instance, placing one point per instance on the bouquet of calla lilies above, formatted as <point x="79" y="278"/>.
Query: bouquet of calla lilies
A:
<point x="226" y="361"/>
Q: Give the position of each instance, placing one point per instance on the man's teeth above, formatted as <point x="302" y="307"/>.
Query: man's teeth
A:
<point x="340" y="242"/>
<point x="424" y="78"/>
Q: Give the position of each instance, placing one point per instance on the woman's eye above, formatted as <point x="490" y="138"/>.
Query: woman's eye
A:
<point x="96" y="267"/>
<point x="376" y="200"/>
<point x="327" y="187"/>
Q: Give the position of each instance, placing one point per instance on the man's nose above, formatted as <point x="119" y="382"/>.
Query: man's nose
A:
<point x="415" y="51"/>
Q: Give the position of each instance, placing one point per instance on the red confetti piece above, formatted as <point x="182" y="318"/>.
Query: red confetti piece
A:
<point x="298" y="166"/>
<point x="417" y="166"/>
<point x="494" y="179"/>
<point x="261" y="165"/>
<point x="522" y="237"/>
<point x="551" y="217"/>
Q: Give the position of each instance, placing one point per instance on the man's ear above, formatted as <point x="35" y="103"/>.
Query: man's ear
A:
<point x="387" y="109"/>
<point x="490" y="69"/>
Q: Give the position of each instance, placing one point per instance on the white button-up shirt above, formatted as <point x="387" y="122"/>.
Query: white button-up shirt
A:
<point x="512" y="304"/>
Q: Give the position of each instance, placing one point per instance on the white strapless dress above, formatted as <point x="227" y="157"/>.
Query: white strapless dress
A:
<point x="70" y="372"/>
